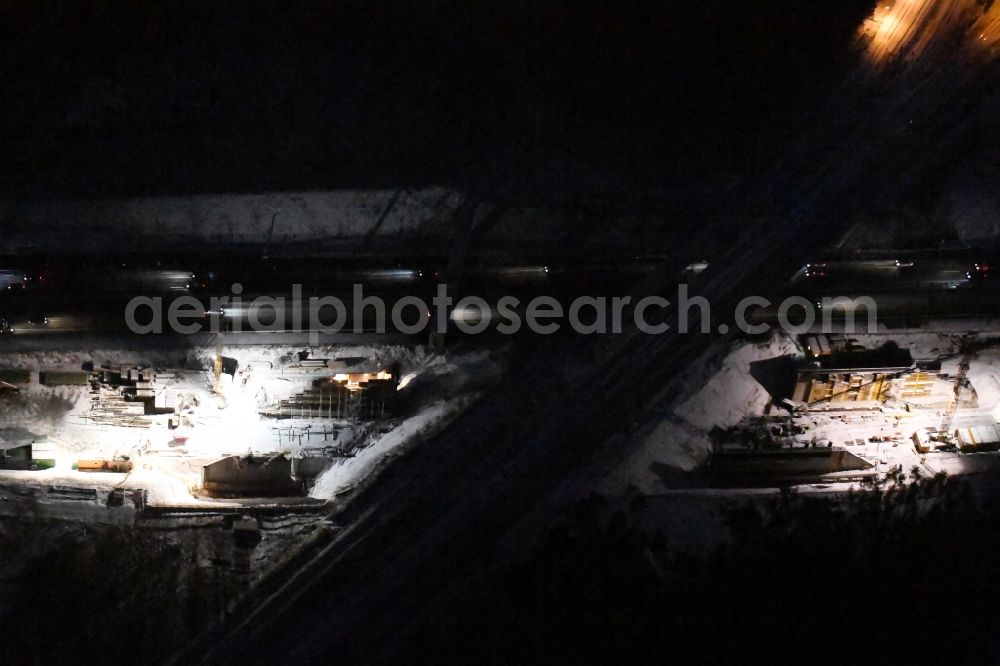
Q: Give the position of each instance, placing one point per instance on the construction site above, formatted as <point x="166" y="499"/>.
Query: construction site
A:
<point x="249" y="423"/>
<point x="830" y="409"/>
<point x="858" y="413"/>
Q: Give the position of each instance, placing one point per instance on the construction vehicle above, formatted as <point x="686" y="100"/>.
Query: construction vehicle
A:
<point x="99" y="465"/>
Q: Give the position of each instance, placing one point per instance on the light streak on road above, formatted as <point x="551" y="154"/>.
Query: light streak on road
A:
<point x="893" y="28"/>
<point x="906" y="29"/>
<point x="985" y="32"/>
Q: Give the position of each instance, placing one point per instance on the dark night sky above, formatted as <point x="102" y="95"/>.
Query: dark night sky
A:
<point x="516" y="98"/>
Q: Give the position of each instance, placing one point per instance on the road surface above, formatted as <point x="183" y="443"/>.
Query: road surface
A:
<point x="413" y="538"/>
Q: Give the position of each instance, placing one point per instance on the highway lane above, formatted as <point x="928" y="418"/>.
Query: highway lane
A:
<point x="75" y="297"/>
<point x="415" y="534"/>
<point x="457" y="496"/>
<point x="62" y="340"/>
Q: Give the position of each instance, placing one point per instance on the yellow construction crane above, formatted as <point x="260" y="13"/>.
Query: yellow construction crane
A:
<point x="960" y="383"/>
<point x="217" y="364"/>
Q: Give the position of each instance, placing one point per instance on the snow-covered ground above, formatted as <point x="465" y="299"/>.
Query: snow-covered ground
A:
<point x="718" y="391"/>
<point x="274" y="219"/>
<point x="210" y="422"/>
<point x="347" y="473"/>
<point x="722" y="392"/>
<point x="731" y="393"/>
<point x="277" y="217"/>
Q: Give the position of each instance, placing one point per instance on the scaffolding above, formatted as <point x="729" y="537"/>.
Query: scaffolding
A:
<point x="334" y="399"/>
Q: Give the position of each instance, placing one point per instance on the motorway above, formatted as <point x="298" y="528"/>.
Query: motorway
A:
<point x="46" y="300"/>
<point x="413" y="532"/>
<point x="411" y="538"/>
<point x="435" y="517"/>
